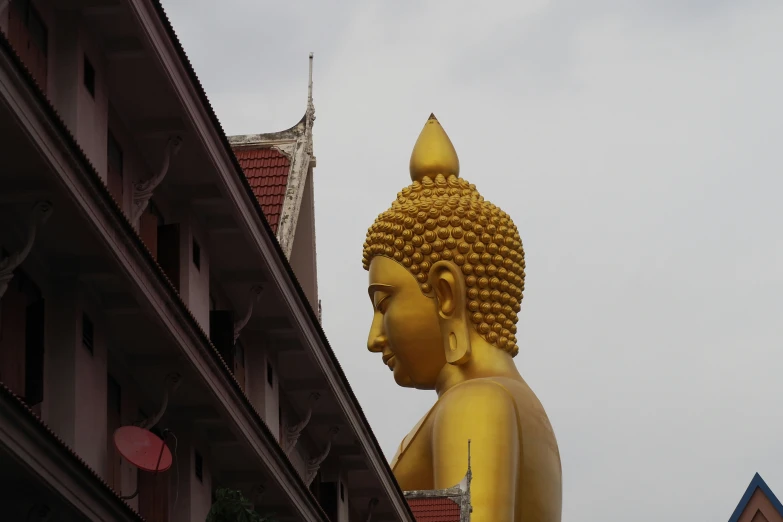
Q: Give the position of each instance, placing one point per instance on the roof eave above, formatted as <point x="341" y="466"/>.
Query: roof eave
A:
<point x="312" y="330"/>
<point x="756" y="483"/>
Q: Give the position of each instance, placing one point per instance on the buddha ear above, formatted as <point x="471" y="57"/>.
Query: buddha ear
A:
<point x="448" y="286"/>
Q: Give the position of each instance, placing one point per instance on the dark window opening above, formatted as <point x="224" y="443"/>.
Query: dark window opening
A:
<point x="168" y="251"/>
<point x="153" y="209"/>
<point x="88" y="333"/>
<point x="114" y="395"/>
<point x="239" y="363"/>
<point x="113" y="423"/>
<point x="199" y="467"/>
<point x="196" y="255"/>
<point x="89" y="77"/>
<point x="270" y="375"/>
<point x="114" y="154"/>
<point x="327" y="497"/>
<point x="29" y="35"/>
<point x="39" y="34"/>
<point x="148" y="227"/>
<point x="114" y="162"/>
<point x="239" y="354"/>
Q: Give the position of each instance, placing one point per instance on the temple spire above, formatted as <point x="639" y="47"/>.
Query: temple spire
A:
<point x="433" y="153"/>
<point x="310" y="113"/>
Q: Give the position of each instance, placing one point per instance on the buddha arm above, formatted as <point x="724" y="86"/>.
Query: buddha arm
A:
<point x="484" y="412"/>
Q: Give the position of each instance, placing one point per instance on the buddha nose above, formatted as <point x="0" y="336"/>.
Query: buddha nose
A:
<point x="376" y="343"/>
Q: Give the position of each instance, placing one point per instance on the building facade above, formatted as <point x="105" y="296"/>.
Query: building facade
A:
<point x="141" y="284"/>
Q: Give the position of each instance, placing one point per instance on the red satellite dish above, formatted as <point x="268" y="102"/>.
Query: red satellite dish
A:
<point x="142" y="448"/>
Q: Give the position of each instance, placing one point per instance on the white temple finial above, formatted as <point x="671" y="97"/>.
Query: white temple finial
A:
<point x="310" y="83"/>
<point x="310" y="114"/>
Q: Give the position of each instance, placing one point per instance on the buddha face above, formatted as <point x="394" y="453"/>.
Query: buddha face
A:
<point x="405" y="327"/>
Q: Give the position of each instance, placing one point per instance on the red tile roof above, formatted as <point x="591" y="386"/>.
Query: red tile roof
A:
<point x="434" y="509"/>
<point x="267" y="171"/>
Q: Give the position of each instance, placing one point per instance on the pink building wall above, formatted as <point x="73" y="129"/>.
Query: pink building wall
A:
<point x="75" y="380"/>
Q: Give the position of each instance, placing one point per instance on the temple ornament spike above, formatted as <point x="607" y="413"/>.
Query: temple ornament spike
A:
<point x="42" y="211"/>
<point x="433" y="153"/>
<point x="255" y="292"/>
<point x="314" y="464"/>
<point x="292" y="433"/>
<point x="142" y="191"/>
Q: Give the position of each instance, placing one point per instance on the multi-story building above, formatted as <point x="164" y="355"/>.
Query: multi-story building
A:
<point x="141" y="284"/>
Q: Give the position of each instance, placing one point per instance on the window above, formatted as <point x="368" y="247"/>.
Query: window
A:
<point x="114" y="160"/>
<point x="88" y="333"/>
<point x="153" y="209"/>
<point x="22" y="335"/>
<point x="168" y="251"/>
<point x="113" y="422"/>
<point x="39" y="34"/>
<point x="199" y="467"/>
<point x="239" y="354"/>
<point x="30" y="37"/>
<point x="196" y="255"/>
<point x="114" y="154"/>
<point x="270" y="375"/>
<point x="153" y="490"/>
<point x="239" y="363"/>
<point x="113" y="395"/>
<point x="148" y="228"/>
<point x="89" y="76"/>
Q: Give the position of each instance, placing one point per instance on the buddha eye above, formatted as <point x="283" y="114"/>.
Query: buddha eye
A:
<point x="383" y="304"/>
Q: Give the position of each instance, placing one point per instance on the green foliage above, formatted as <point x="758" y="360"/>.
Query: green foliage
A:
<point x="232" y="506"/>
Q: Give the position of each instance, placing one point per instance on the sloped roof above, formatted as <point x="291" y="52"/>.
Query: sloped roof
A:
<point x="266" y="169"/>
<point x="434" y="509"/>
<point x="756" y="484"/>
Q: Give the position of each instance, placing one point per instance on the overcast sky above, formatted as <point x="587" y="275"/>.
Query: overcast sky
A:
<point x="636" y="144"/>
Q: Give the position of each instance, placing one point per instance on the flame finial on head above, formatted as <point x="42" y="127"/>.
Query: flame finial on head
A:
<point x="433" y="153"/>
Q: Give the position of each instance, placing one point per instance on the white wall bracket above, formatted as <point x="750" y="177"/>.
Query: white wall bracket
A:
<point x="314" y="464"/>
<point x="173" y="380"/>
<point x="41" y="213"/>
<point x="255" y="295"/>
<point x="292" y="433"/>
<point x="142" y="190"/>
<point x="370" y="508"/>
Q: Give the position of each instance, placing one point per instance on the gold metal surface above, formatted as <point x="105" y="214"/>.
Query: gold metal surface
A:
<point x="433" y="153"/>
<point x="446" y="272"/>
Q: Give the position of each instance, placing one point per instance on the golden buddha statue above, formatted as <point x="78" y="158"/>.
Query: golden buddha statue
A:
<point x="446" y="272"/>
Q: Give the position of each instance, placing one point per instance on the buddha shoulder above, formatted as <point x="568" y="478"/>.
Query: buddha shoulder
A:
<point x="484" y="397"/>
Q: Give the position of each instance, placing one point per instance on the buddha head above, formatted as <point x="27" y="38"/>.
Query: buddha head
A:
<point x="446" y="270"/>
